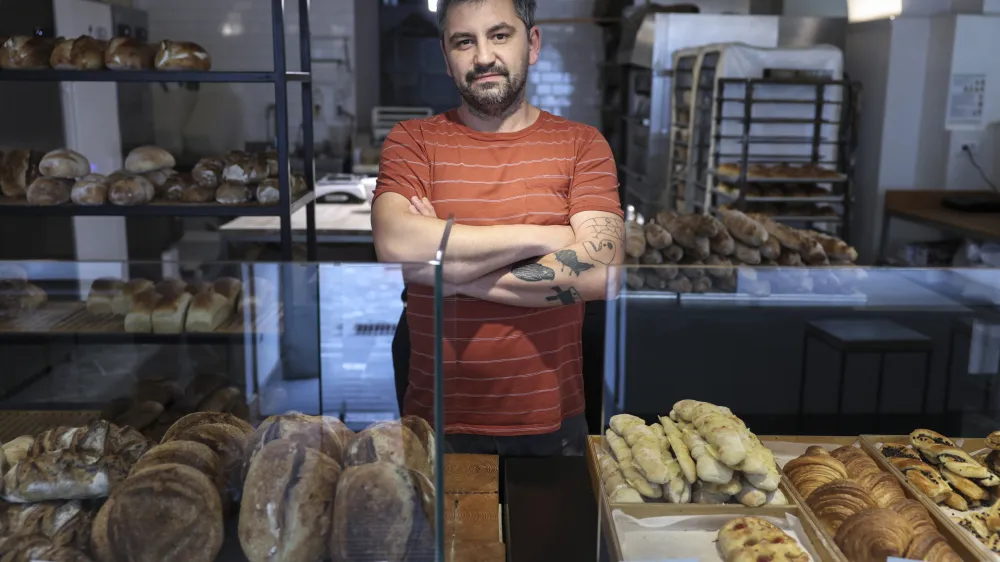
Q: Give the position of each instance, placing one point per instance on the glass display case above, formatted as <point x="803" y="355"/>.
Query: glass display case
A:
<point x="211" y="411"/>
<point x="833" y="405"/>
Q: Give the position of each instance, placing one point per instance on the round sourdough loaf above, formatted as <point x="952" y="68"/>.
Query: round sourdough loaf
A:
<point x="325" y="434"/>
<point x="204" y="418"/>
<point x="91" y="189"/>
<point x="380" y="514"/>
<point x="388" y="441"/>
<point x="226" y="441"/>
<point x="49" y="191"/>
<point x="165" y="512"/>
<point x="287" y="509"/>
<point x="64" y="163"/>
<point x="425" y="433"/>
<point x="148" y="159"/>
<point x="187" y="453"/>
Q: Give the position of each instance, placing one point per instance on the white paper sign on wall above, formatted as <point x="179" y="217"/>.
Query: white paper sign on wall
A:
<point x="966" y="102"/>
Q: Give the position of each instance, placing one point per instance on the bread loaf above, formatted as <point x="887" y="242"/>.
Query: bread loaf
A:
<point x="148" y="159"/>
<point x="244" y="169"/>
<point x="228" y="441"/>
<point x="171" y="286"/>
<point x="165" y="512"/>
<point x="387" y="441"/>
<point x="187" y="453"/>
<point x="423" y="431"/>
<point x="379" y="515"/>
<point x="232" y="194"/>
<point x="198" y="194"/>
<point x="26" y="52"/>
<point x="743" y="228"/>
<point x="122" y="303"/>
<point x="208" y="311"/>
<point x="49" y="191"/>
<point x="159" y="177"/>
<point x="325" y="434"/>
<point x="208" y="172"/>
<point x="722" y="243"/>
<point x="125" y="53"/>
<point x="63" y="523"/>
<point x="746" y="254"/>
<point x="171" y="312"/>
<point x="204" y="418"/>
<point x="230" y="288"/>
<point x="173" y="188"/>
<point x="91" y="189"/>
<point x="18" y="170"/>
<point x="64" y="163"/>
<point x="139" y="318"/>
<point x="63" y="475"/>
<point x="18" y="299"/>
<point x="102" y="293"/>
<point x="268" y="192"/>
<point x="181" y="55"/>
<point x="287" y="510"/>
<point x="82" y="53"/>
<point x="132" y="190"/>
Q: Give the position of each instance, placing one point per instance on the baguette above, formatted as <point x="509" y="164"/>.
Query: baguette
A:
<point x="788" y="237"/>
<point x="207" y="312"/>
<point x="673" y="254"/>
<point x="139" y="319"/>
<point x="657" y="237"/>
<point x="744" y="228"/>
<point x="122" y="303"/>
<point x="170" y="312"/>
<point x="746" y="254"/>
<point x="683" y="230"/>
<point x="102" y="294"/>
<point x="722" y="244"/>
<point x="635" y="239"/>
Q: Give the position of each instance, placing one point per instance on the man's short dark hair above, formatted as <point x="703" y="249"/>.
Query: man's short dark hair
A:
<point x="525" y="11"/>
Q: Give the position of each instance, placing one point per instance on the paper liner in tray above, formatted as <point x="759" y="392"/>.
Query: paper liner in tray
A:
<point x="691" y="537"/>
<point x="943" y="515"/>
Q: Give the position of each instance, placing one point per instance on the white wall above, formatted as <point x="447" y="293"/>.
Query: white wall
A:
<point x="817" y="8"/>
<point x="237" y="34"/>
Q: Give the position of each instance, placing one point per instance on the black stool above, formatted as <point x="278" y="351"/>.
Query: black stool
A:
<point x="881" y="337"/>
<point x="964" y="327"/>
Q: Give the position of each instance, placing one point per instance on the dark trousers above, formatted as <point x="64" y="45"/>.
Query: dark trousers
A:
<point x="593" y="361"/>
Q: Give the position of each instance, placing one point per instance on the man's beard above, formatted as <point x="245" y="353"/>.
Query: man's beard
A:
<point x="491" y="100"/>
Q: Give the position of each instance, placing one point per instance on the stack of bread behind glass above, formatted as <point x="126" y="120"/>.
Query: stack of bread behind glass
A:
<point x="700" y="453"/>
<point x="32" y="52"/>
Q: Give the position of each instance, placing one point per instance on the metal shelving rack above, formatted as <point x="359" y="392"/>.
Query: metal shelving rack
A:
<point x="694" y="81"/>
<point x="839" y="184"/>
<point x="279" y="76"/>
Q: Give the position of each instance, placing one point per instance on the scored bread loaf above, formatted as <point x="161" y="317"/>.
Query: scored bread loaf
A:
<point x="232" y="193"/>
<point x="173" y="187"/>
<point x="208" y="172"/>
<point x="387" y="441"/>
<point x="148" y="159"/>
<point x="227" y="441"/>
<point x="381" y="514"/>
<point x="287" y="510"/>
<point x="49" y="191"/>
<point x="82" y="53"/>
<point x="207" y="312"/>
<point x="64" y="523"/>
<point x="188" y="453"/>
<point x="170" y="313"/>
<point x="26" y="52"/>
<point x="269" y="192"/>
<point x="165" y="512"/>
<point x="204" y="418"/>
<point x="91" y="189"/>
<point x="181" y="55"/>
<point x="125" y="53"/>
<point x="103" y="291"/>
<point x="64" y="163"/>
<point x="131" y="190"/>
<point x="326" y="434"/>
<point x="63" y="475"/>
<point x="195" y="193"/>
<point x="122" y="302"/>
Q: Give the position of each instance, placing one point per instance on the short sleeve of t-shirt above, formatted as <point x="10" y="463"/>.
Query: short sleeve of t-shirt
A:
<point x="403" y="168"/>
<point x="595" y="179"/>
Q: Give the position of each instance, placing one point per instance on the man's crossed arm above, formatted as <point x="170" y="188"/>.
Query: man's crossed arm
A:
<point x="567" y="272"/>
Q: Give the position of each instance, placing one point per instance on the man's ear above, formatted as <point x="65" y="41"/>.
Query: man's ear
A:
<point x="534" y="44"/>
<point x="444" y="53"/>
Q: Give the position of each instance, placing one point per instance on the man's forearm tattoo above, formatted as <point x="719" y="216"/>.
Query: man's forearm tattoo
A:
<point x="568" y="295"/>
<point x="532" y="272"/>
<point x="569" y="259"/>
<point x="606" y="236"/>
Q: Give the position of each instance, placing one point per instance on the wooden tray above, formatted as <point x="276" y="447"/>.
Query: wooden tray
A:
<point x="827" y="551"/>
<point x="957" y="538"/>
<point x="941" y="518"/>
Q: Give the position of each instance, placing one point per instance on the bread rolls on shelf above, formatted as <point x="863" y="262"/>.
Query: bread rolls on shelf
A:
<point x="208" y="172"/>
<point x="170" y="313"/>
<point x="288" y="499"/>
<point x="244" y="169"/>
<point x="268" y="192"/>
<point x="102" y="294"/>
<point x="82" y="53"/>
<point x="139" y="317"/>
<point x="17" y="171"/>
<point x="122" y="303"/>
<point x="131" y="191"/>
<point x="26" y="52"/>
<point x="170" y="511"/>
<point x="172" y="188"/>
<point x="159" y="177"/>
<point x="195" y="193"/>
<point x="91" y="189"/>
<point x="207" y="312"/>
<point x="49" y="191"/>
<point x="230" y="288"/>
<point x="64" y="163"/>
<point x="232" y="194"/>
<point x="382" y="513"/>
<point x="148" y="159"/>
<point x="181" y="55"/>
<point x="125" y="53"/>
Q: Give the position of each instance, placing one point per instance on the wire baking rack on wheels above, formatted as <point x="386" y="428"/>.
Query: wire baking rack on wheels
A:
<point x="279" y="76"/>
<point x="789" y="157"/>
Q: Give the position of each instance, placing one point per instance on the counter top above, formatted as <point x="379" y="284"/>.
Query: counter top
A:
<point x="334" y="223"/>
<point x="924" y="207"/>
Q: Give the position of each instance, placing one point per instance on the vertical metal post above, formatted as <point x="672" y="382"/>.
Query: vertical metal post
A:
<point x="748" y="90"/>
<point x="281" y="125"/>
<point x="439" y="544"/>
<point x="818" y="123"/>
<point x="305" y="52"/>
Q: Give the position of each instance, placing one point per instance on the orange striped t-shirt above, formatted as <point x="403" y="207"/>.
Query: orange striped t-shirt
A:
<point x="508" y="370"/>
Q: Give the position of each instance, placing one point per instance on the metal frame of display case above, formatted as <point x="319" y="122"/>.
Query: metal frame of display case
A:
<point x="844" y="142"/>
<point x="279" y="76"/>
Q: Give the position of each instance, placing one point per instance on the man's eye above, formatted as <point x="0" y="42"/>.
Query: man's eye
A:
<point x="464" y="43"/>
<point x="501" y="36"/>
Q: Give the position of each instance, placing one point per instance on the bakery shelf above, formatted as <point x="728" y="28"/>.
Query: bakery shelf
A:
<point x="21" y="208"/>
<point x="839" y="178"/>
<point x="782" y="120"/>
<point x="784" y="199"/>
<point x="51" y="75"/>
<point x="70" y="320"/>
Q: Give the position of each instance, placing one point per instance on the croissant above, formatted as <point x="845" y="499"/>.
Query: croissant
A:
<point x="873" y="535"/>
<point x="882" y="487"/>
<point x="931" y="547"/>
<point x="855" y="461"/>
<point x="809" y="472"/>
<point x="916" y="515"/>
<point x="835" y="502"/>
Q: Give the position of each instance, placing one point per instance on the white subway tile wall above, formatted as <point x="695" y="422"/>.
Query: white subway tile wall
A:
<point x="237" y="33"/>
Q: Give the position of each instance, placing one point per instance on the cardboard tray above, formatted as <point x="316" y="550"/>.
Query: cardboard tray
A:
<point x="821" y="543"/>
<point x="940" y="517"/>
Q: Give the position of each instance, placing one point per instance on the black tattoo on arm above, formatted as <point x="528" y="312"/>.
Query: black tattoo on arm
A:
<point x="565" y="296"/>
<point x="532" y="272"/>
<point x="607" y="235"/>
<point x="568" y="258"/>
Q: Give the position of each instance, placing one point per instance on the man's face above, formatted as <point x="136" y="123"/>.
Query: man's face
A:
<point x="488" y="51"/>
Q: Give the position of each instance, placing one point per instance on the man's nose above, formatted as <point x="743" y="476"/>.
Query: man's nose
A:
<point x="484" y="54"/>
